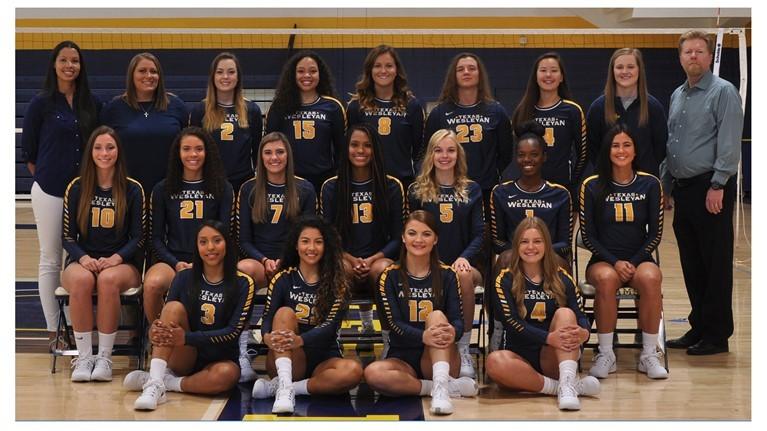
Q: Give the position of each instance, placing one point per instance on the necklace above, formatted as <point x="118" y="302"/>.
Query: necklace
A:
<point x="146" y="111"/>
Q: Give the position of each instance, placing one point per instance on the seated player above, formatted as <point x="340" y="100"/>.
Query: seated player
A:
<point x="622" y="222"/>
<point x="306" y="303"/>
<point x="544" y="324"/>
<point x="443" y="189"/>
<point x="194" y="342"/>
<point x="103" y="233"/>
<point x="421" y="300"/>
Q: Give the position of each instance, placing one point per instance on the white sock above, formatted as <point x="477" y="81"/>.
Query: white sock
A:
<point x="244" y="342"/>
<point x="284" y="371"/>
<point x="366" y="317"/>
<point x="173" y="383"/>
<point x="605" y="342"/>
<point x="550" y="386"/>
<point x="84" y="343"/>
<point x="106" y="342"/>
<point x="649" y="341"/>
<point x="463" y="342"/>
<point x="157" y="369"/>
<point x="301" y="387"/>
<point x="568" y="368"/>
<point x="425" y="388"/>
<point x="440" y="372"/>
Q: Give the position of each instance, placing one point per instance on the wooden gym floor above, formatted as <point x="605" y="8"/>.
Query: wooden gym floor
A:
<point x="710" y="388"/>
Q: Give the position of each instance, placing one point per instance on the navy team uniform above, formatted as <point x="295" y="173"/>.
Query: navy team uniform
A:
<point x="630" y="225"/>
<point x="461" y="222"/>
<point x="102" y="238"/>
<point x="400" y="131"/>
<point x="267" y="239"/>
<point x="289" y="289"/>
<point x="316" y="132"/>
<point x="368" y="236"/>
<point x="407" y="313"/>
<point x="484" y="130"/>
<point x="216" y="333"/>
<point x="173" y="220"/>
<point x="565" y="137"/>
<point x="146" y="135"/>
<point x="551" y="203"/>
<point x="238" y="147"/>
<point x="527" y="336"/>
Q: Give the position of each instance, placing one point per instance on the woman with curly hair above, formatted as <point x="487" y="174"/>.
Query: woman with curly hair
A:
<point x="305" y="305"/>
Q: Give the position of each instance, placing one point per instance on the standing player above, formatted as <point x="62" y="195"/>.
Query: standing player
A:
<point x="234" y="121"/>
<point x="466" y="106"/>
<point x="57" y="123"/>
<point x="626" y="100"/>
<point x="195" y="339"/>
<point x="305" y="109"/>
<point x="367" y="207"/>
<point x="147" y="118"/>
<point x="266" y="206"/>
<point x="421" y="299"/>
<point x="547" y="100"/>
<point x="384" y="101"/>
<point x="443" y="189"/>
<point x="545" y="325"/>
<point x="306" y="303"/>
<point x="103" y="234"/>
<point x="622" y="222"/>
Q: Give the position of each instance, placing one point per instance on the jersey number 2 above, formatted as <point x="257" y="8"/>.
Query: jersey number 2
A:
<point x="419" y="310"/>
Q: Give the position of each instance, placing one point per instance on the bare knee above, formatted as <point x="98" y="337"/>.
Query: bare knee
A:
<point x="352" y="374"/>
<point x="498" y="363"/>
<point x="173" y="311"/>
<point x="284" y="318"/>
<point x="155" y="285"/>
<point x="435" y="317"/>
<point x="81" y="287"/>
<point x="375" y="374"/>
<point x="223" y="376"/>
<point x="563" y="316"/>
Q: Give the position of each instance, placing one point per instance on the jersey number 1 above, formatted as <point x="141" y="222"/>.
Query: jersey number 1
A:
<point x="624" y="212"/>
<point x="303" y="129"/>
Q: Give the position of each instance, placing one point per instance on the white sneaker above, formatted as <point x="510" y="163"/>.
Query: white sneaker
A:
<point x="604" y="364"/>
<point x="440" y="400"/>
<point x="102" y="371"/>
<point x="462" y="387"/>
<point x="153" y="394"/>
<point x="246" y="370"/>
<point x="650" y="365"/>
<point x="284" y="400"/>
<point x="83" y="368"/>
<point x="135" y="380"/>
<point x="588" y="385"/>
<point x="568" y="395"/>
<point x="467" y="363"/>
<point x="265" y="388"/>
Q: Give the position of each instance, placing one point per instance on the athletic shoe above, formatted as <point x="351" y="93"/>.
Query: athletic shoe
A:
<point x="284" y="400"/>
<point x="135" y="380"/>
<point x="650" y="365"/>
<point x="604" y="364"/>
<point x="265" y="388"/>
<point x="467" y="363"/>
<point x="462" y="387"/>
<point x="588" y="385"/>
<point x="440" y="400"/>
<point x="568" y="395"/>
<point x="102" y="371"/>
<point x="153" y="394"/>
<point x="83" y="368"/>
<point x="246" y="370"/>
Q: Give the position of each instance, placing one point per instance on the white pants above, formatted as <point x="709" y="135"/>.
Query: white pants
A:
<point x="48" y="217"/>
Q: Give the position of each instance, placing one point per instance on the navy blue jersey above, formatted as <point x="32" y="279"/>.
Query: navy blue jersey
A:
<point x="461" y="221"/>
<point x="484" y="130"/>
<point x="289" y="289"/>
<point x="565" y="136"/>
<point x="364" y="240"/>
<point x="531" y="331"/>
<point x="173" y="220"/>
<point x="259" y="240"/>
<point x="407" y="314"/>
<point x="551" y="203"/>
<point x="238" y="146"/>
<point x="218" y="329"/>
<point x="146" y="135"/>
<point x="102" y="238"/>
<point x="400" y="131"/>
<point x="629" y="226"/>
<point x="316" y="132"/>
